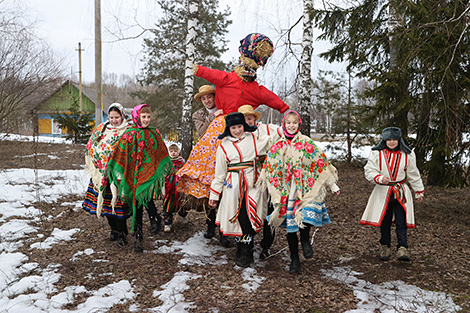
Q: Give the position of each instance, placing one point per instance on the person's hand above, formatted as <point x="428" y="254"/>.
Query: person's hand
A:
<point x="218" y="112"/>
<point x="385" y="180"/>
<point x="419" y="196"/>
<point x="195" y="68"/>
<point x="213" y="203"/>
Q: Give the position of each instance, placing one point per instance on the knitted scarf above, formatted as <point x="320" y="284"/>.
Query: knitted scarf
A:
<point x="138" y="166"/>
<point x="298" y="161"/>
<point x="98" y="149"/>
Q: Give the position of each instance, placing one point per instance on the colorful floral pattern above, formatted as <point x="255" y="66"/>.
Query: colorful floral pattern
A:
<point x="298" y="160"/>
<point x="99" y="151"/>
<point x="138" y="165"/>
<point x="196" y="176"/>
<point x="248" y="47"/>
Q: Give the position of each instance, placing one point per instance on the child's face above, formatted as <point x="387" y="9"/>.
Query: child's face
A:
<point x="237" y="130"/>
<point x="391" y="143"/>
<point x="250" y="119"/>
<point x="145" y="119"/>
<point x="115" y="118"/>
<point x="174" y="153"/>
<point x="292" y="125"/>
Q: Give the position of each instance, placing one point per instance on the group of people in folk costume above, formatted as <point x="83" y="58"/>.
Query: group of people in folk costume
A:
<point x="246" y="176"/>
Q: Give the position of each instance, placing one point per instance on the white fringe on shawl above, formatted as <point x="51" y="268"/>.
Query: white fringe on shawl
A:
<point x="328" y="177"/>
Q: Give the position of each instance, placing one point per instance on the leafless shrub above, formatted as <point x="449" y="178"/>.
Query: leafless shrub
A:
<point x="28" y="70"/>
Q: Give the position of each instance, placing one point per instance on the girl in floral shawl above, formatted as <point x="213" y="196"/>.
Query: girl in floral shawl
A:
<point x="138" y="166"/>
<point x="297" y="172"/>
<point x="100" y="198"/>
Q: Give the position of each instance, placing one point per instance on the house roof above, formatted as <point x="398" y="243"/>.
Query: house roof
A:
<point x="91" y="94"/>
<point x="88" y="92"/>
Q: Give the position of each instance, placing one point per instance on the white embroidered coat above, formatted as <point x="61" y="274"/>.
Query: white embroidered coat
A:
<point x="401" y="166"/>
<point x="275" y="133"/>
<point x="271" y="130"/>
<point x="226" y="185"/>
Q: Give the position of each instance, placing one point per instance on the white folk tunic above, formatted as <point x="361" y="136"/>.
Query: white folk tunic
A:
<point x="275" y="133"/>
<point x="271" y="130"/>
<point x="398" y="166"/>
<point x="226" y="184"/>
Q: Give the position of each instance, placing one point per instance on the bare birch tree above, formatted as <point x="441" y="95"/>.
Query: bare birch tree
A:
<point x="186" y="138"/>
<point x="28" y="70"/>
<point x="306" y="68"/>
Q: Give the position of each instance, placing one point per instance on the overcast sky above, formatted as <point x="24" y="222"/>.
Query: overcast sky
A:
<point x="65" y="23"/>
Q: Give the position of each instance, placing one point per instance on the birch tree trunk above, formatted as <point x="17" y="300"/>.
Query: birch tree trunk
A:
<point x="306" y="68"/>
<point x="186" y="123"/>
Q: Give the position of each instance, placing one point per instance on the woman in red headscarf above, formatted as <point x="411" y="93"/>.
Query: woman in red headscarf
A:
<point x="138" y="167"/>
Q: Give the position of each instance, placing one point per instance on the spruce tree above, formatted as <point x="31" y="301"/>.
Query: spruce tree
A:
<point x="77" y="124"/>
<point x="416" y="54"/>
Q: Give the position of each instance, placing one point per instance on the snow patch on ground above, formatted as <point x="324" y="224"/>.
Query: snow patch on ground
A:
<point x="391" y="297"/>
<point x="172" y="294"/>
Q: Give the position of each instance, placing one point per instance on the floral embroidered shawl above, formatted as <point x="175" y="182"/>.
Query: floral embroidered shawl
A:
<point x="98" y="149"/>
<point x="299" y="161"/>
<point x="138" y="166"/>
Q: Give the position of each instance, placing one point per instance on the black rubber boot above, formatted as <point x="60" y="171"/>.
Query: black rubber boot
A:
<point x="294" y="252"/>
<point x="294" y="264"/>
<point x="239" y="251"/>
<point x="155" y="224"/>
<point x="114" y="235"/>
<point x="122" y="239"/>
<point x="246" y="257"/>
<point x="305" y="242"/>
<point x="224" y="240"/>
<point x="264" y="254"/>
<point x="246" y="248"/>
<point x="138" y="242"/>
<point x="268" y="235"/>
<point x="267" y="241"/>
<point x="210" y="233"/>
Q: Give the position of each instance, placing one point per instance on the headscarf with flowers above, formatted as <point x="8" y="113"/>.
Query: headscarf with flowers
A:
<point x="138" y="166"/>
<point x="136" y="114"/>
<point x="301" y="162"/>
<point x="284" y="129"/>
<point x="98" y="149"/>
<point x="256" y="47"/>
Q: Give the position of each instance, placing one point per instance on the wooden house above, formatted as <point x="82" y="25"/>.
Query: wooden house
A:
<point x="60" y="101"/>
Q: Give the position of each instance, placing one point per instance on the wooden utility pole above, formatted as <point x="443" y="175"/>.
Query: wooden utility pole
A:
<point x="80" y="74"/>
<point x="99" y="104"/>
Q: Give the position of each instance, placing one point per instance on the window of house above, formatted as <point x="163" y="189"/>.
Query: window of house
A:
<point x="56" y="130"/>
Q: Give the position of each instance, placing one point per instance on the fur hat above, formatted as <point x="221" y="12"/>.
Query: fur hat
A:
<point x="392" y="133"/>
<point x="248" y="110"/>
<point x="235" y="118"/>
<point x="204" y="90"/>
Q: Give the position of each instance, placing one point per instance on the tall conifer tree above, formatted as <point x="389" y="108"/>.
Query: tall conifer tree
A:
<point x="421" y="71"/>
<point x="165" y="56"/>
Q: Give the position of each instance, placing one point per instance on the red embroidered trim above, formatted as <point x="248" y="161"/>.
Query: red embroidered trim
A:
<point x="217" y="193"/>
<point x="376" y="179"/>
